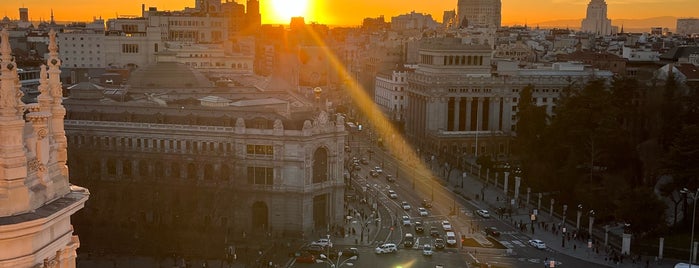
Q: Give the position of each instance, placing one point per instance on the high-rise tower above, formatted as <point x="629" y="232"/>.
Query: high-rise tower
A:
<point x="254" y="18"/>
<point x="23" y="14"/>
<point x="596" y="21"/>
<point x="479" y="13"/>
<point x="36" y="198"/>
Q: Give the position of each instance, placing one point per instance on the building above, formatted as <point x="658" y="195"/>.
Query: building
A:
<point x="187" y="167"/>
<point x="596" y="21"/>
<point x="36" y="197"/>
<point x="479" y="13"/>
<point x="23" y="14"/>
<point x="390" y="93"/>
<point x="413" y="21"/>
<point x="458" y="107"/>
<point x="688" y="26"/>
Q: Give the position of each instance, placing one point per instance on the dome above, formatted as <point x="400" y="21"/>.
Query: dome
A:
<point x="167" y="75"/>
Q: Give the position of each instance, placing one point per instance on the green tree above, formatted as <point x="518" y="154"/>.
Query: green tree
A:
<point x="642" y="198"/>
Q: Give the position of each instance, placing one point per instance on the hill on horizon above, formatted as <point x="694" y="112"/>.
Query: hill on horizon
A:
<point x="630" y="25"/>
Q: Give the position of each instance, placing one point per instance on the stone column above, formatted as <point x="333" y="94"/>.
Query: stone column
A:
<point x="479" y="118"/>
<point x="518" y="180"/>
<point x="626" y="244"/>
<point x="469" y="100"/>
<point x="457" y="109"/>
<point x="660" y="248"/>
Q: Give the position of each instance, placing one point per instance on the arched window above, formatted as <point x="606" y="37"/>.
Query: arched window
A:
<point x="320" y="165"/>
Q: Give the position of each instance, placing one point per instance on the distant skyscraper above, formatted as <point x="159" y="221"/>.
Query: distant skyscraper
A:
<point x="479" y="13"/>
<point x="596" y="21"/>
<point x="688" y="26"/>
<point x="23" y="14"/>
<point x="253" y="15"/>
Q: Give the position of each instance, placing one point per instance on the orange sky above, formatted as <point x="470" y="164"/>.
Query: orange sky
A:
<point x="351" y="12"/>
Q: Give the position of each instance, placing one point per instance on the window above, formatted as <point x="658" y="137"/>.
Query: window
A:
<point x="260" y="150"/>
<point x="260" y="175"/>
<point x="129" y="48"/>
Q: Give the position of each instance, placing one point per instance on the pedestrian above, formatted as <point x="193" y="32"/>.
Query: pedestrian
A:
<point x="575" y="246"/>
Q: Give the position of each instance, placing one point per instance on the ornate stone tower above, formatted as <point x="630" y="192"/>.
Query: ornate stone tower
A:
<point x="36" y="199"/>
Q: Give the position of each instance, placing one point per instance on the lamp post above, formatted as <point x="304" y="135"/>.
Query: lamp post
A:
<point x="337" y="263"/>
<point x="592" y="221"/>
<point x="463" y="177"/>
<point x="692" y="247"/>
<point x="565" y="208"/>
<point x="577" y="222"/>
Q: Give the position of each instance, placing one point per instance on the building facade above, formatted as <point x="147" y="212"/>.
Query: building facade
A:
<point x="458" y="107"/>
<point x="201" y="167"/>
<point x="688" y="26"/>
<point x="596" y="21"/>
<point x="36" y="197"/>
<point x="479" y="13"/>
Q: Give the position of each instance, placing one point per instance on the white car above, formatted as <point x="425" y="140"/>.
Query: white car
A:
<point x="406" y="221"/>
<point x="427" y="250"/>
<point x="392" y="194"/>
<point x="386" y="248"/>
<point x="323" y="242"/>
<point x="537" y="243"/>
<point x="423" y="211"/>
<point x="483" y="213"/>
<point x="446" y="225"/>
<point x="378" y="170"/>
<point x="405" y="205"/>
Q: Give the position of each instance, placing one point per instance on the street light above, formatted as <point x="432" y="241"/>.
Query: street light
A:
<point x="338" y="263"/>
<point x="694" y="214"/>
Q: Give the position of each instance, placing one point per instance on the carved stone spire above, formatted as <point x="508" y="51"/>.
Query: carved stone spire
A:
<point x="44" y="96"/>
<point x="10" y="95"/>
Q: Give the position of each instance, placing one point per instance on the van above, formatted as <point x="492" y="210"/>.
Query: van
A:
<point x="408" y="240"/>
<point x="451" y="239"/>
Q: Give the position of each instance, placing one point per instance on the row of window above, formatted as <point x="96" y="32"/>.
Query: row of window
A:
<point x="129" y="48"/>
<point x="463" y="60"/>
<point x="255" y="150"/>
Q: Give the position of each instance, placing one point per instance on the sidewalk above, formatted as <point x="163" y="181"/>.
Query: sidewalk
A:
<point x="494" y="197"/>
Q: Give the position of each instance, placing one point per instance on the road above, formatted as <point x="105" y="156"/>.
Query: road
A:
<point x="414" y="185"/>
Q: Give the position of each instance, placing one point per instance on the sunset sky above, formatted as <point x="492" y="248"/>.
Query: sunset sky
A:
<point x="351" y="12"/>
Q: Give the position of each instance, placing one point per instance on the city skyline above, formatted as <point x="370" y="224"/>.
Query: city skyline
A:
<point x="513" y="12"/>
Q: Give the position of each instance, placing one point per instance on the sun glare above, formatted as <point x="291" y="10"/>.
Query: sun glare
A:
<point x="285" y="9"/>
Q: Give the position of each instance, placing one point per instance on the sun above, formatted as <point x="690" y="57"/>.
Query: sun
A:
<point x="284" y="10"/>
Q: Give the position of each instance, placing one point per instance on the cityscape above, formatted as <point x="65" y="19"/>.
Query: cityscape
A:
<point x="272" y="134"/>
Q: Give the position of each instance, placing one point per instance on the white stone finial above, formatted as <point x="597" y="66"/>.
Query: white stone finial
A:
<point x="53" y="47"/>
<point x="5" y="49"/>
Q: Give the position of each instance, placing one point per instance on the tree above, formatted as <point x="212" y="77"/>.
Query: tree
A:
<point x="653" y="216"/>
<point x="670" y="111"/>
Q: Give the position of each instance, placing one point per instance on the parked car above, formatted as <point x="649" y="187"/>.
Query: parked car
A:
<point x="419" y="228"/>
<point x="386" y="248"/>
<point x="392" y="194"/>
<point x="483" y="213"/>
<point x="405" y="205"/>
<point x="439" y="243"/>
<point x="492" y="231"/>
<point x="426" y="204"/>
<point x="537" y="243"/>
<point x="423" y="212"/>
<point x="434" y="232"/>
<point x="390" y="178"/>
<point x="406" y="220"/>
<point x="373" y="173"/>
<point x="446" y="226"/>
<point x="427" y="250"/>
<point x="364" y="161"/>
<point x="305" y="257"/>
<point x="323" y="242"/>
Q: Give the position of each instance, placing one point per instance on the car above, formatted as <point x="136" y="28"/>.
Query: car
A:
<point x="426" y="204"/>
<point x="419" y="228"/>
<point x="406" y="220"/>
<point x="346" y="253"/>
<point x="386" y="248"/>
<point x="405" y="205"/>
<point x="305" y="257"/>
<point x="548" y="261"/>
<point x="314" y="249"/>
<point x="492" y="231"/>
<point x="390" y="178"/>
<point x="434" y="232"/>
<point x="378" y="169"/>
<point x="408" y="240"/>
<point x="357" y="167"/>
<point x="483" y="213"/>
<point x="537" y="243"/>
<point x="427" y="250"/>
<point x="446" y="226"/>
<point x="373" y="173"/>
<point x="423" y="211"/>
<point x="439" y="243"/>
<point x="392" y="194"/>
<point x="451" y="239"/>
<point x="323" y="242"/>
<point x="364" y="161"/>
